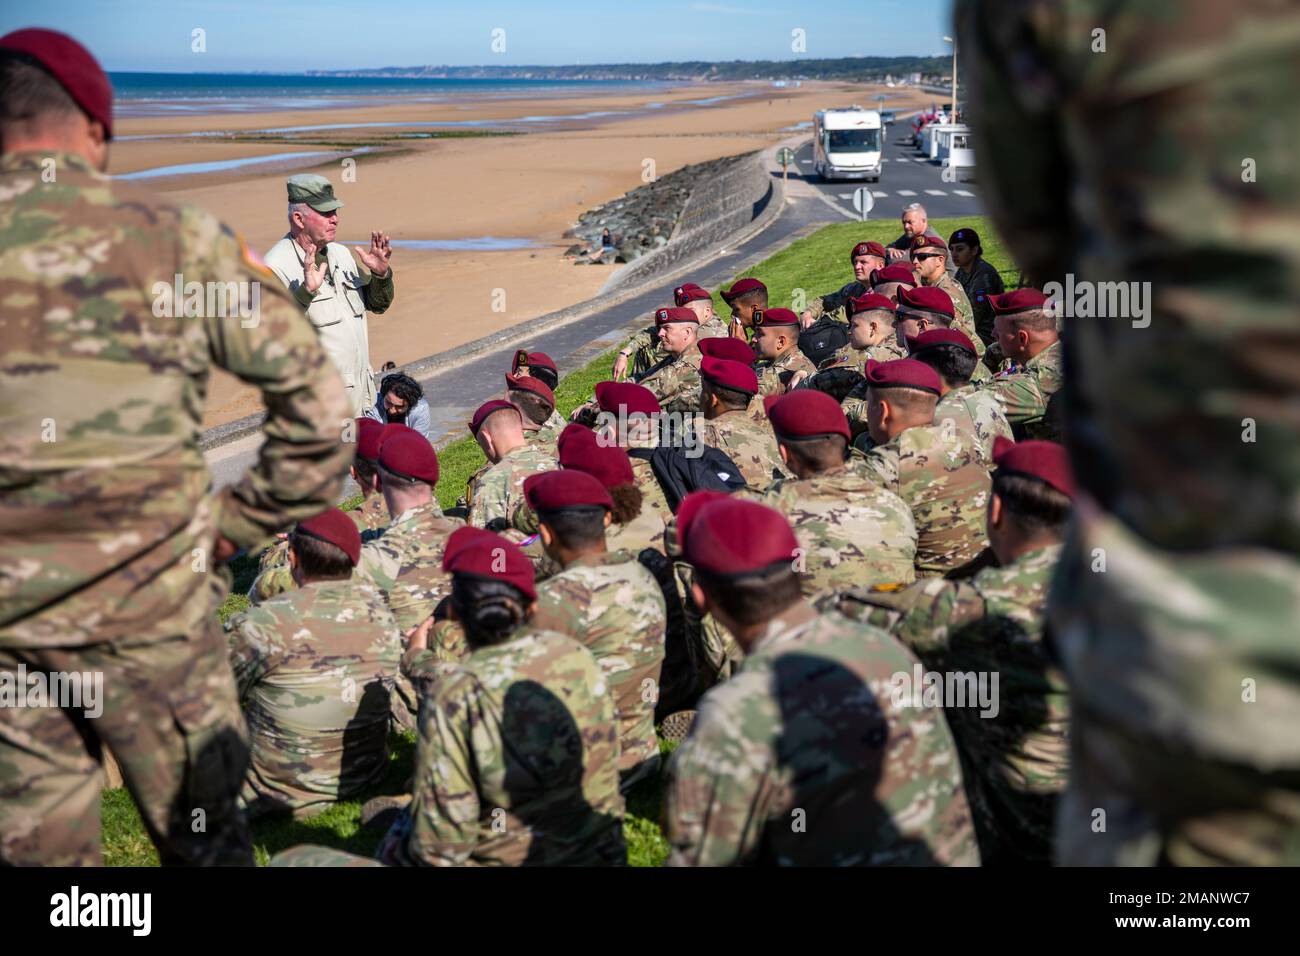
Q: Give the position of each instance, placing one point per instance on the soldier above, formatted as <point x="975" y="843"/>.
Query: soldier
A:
<point x="978" y="279"/>
<point x="1015" y="760"/>
<point x="316" y="671"/>
<point x="973" y="411"/>
<point x="536" y="404"/>
<point x="401" y="401"/>
<point x="916" y="223"/>
<point x="644" y="350"/>
<point x="540" y="367"/>
<point x="675" y="380"/>
<point x="1181" y="657"/>
<point x="865" y="258"/>
<point x="805" y="756"/>
<point x="744" y="296"/>
<point x="1026" y="333"/>
<point x="891" y="280"/>
<point x="936" y="469"/>
<point x="927" y="308"/>
<point x="851" y="532"/>
<point x="608" y="602"/>
<point x="495" y="489"/>
<point x="101" y="386"/>
<point x="335" y="293"/>
<point x="872" y="336"/>
<point x="517" y="759"/>
<point x="780" y="366"/>
<point x="631" y="421"/>
<point x="728" y="389"/>
<point x="929" y="256"/>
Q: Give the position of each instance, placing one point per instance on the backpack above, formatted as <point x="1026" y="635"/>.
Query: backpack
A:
<point x="679" y="474"/>
<point x="823" y="339"/>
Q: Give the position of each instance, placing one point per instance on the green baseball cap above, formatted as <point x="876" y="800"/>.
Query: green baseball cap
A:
<point x="315" y="191"/>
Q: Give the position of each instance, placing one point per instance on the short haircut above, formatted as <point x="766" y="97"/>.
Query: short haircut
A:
<point x="820" y="453"/>
<point x="30" y="95"/>
<point x="1032" y="321"/>
<point x="885" y="315"/>
<point x="914" y="403"/>
<point x="404" y="387"/>
<point x="387" y="477"/>
<point x="627" y="503"/>
<point x="755" y="597"/>
<point x="915" y="207"/>
<point x="548" y="377"/>
<point x="576" y="528"/>
<point x="365" y="471"/>
<point x="954" y="364"/>
<point x="533" y="407"/>
<point x="1034" y="505"/>
<point x="754" y="297"/>
<point x="488" y="610"/>
<point x="731" y="397"/>
<point x="319" y="559"/>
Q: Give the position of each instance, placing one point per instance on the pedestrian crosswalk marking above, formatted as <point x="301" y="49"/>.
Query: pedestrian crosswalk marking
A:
<point x="962" y="192"/>
<point x="879" y="194"/>
<point x="906" y="192"/>
<point x="935" y="192"/>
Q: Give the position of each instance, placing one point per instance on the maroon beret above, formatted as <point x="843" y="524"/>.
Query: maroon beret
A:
<point x="490" y="408"/>
<point x="895" y="273"/>
<point x="1045" y="460"/>
<point x="482" y="554"/>
<point x="774" y="317"/>
<point x="338" y="529"/>
<point x="928" y="242"/>
<point x="570" y="488"/>
<point x="689" y="292"/>
<point x="1021" y="300"/>
<point x="72" y="66"/>
<point x="525" y="358"/>
<point x="393" y="429"/>
<point x="902" y="373"/>
<point x="966" y="235"/>
<point x="633" y="399"/>
<point x="740" y="287"/>
<point x="581" y="450"/>
<point x="369" y="431"/>
<point x="729" y="374"/>
<point x="926" y="300"/>
<point x="526" y="383"/>
<point x="723" y="535"/>
<point x="932" y="337"/>
<point x="867" y="249"/>
<point x="409" y="456"/>
<point x="869" y="302"/>
<point x="806" y="413"/>
<point x="726" y="347"/>
<point x="675" y="314"/>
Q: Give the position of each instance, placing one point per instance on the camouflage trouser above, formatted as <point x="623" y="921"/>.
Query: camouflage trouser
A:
<point x="170" y="714"/>
<point x="309" y="855"/>
<point x="1165" y="807"/>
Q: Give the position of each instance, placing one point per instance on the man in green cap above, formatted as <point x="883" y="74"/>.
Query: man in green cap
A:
<point x="323" y="276"/>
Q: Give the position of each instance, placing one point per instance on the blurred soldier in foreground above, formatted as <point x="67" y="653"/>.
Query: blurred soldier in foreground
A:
<point x="102" y="379"/>
<point x="805" y="757"/>
<point x="1175" y="612"/>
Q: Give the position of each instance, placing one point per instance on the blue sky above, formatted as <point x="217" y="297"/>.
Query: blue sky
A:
<point x="155" y="35"/>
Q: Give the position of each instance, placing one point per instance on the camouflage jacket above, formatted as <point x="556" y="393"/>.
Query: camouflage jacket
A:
<point x="993" y="623"/>
<point x="978" y="284"/>
<point x="1025" y="391"/>
<point x="775" y="375"/>
<point x="835" y="304"/>
<point x="806" y="757"/>
<point x="405" y="563"/>
<point x="675" y="381"/>
<point x="316" y="670"/>
<point x="645" y="349"/>
<point x="549" y="433"/>
<point x="976" y="412"/>
<point x="749" y="443"/>
<point x="102" y="384"/>
<point x="944" y="481"/>
<point x="516" y="762"/>
<point x="963" y="316"/>
<point x="493" y="491"/>
<point x="853" y="533"/>
<point x="855" y="403"/>
<point x="612" y="605"/>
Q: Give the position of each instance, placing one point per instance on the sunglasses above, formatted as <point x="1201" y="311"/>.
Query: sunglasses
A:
<point x="921" y="256"/>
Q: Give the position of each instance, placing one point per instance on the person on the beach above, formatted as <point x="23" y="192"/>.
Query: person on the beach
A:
<point x="335" y="293"/>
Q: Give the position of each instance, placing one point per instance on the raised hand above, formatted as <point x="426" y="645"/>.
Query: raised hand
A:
<point x="377" y="256"/>
<point x="313" y="273"/>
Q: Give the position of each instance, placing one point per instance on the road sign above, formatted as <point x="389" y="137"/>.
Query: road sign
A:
<point x="785" y="156"/>
<point x="863" y="200"/>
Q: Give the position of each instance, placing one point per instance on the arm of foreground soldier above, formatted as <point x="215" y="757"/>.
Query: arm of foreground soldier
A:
<point x="302" y="463"/>
<point x="923" y="615"/>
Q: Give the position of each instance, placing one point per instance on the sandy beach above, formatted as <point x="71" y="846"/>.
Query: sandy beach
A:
<point x="529" y="186"/>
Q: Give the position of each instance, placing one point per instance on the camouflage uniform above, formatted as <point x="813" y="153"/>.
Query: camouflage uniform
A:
<point x="747" y="442"/>
<point x="1182" y="657"/>
<point x="1024" y="393"/>
<point x="494" y="489"/>
<point x="612" y="605"/>
<point x="405" y="563"/>
<point x="774" y="375"/>
<point x="963" y="316"/>
<point x="976" y="413"/>
<point x="273" y="573"/>
<point x="675" y="381"/>
<point x="835" y="304"/>
<point x="316" y="669"/>
<point x="1016" y="760"/>
<point x="516" y="763"/>
<point x="647" y="352"/>
<point x="549" y="433"/>
<point x="978" y="284"/>
<point x="855" y="403"/>
<point x="853" y="533"/>
<point x="804" y="758"/>
<point x="101" y="403"/>
<point x="943" y="479"/>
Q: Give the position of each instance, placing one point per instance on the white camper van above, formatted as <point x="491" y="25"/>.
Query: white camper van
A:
<point x="847" y="144"/>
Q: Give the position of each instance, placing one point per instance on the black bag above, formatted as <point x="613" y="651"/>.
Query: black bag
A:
<point x="679" y="474"/>
<point x="823" y="339"/>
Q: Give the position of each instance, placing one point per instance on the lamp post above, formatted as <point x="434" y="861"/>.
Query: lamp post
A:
<point x="953" y="119"/>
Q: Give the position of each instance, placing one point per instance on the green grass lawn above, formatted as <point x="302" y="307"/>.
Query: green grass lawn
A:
<point x="816" y="265"/>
